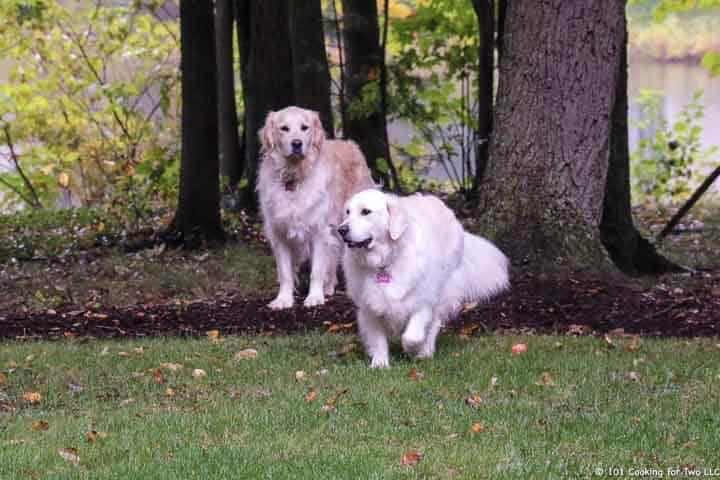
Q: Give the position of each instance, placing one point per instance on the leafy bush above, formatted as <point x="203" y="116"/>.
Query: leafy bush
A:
<point x="662" y="165"/>
<point x="91" y="105"/>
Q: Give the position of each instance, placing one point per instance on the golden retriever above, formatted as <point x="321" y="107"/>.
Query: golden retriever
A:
<point x="410" y="266"/>
<point x="303" y="182"/>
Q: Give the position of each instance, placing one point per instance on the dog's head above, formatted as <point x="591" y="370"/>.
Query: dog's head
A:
<point x="372" y="217"/>
<point x="293" y="132"/>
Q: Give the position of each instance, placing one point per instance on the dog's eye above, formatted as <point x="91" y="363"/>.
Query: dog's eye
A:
<point x="285" y="128"/>
<point x="347" y="212"/>
<point x="304" y="127"/>
<point x="364" y="212"/>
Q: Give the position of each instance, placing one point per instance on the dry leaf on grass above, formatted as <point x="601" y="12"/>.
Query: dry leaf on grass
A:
<point x="3" y="379"/>
<point x="199" y="373"/>
<point x="473" y="400"/>
<point x="32" y="397"/>
<point x="169" y="392"/>
<point x="411" y="458"/>
<point x="158" y="376"/>
<point x="70" y="455"/>
<point x="311" y="396"/>
<point x="477" y="428"/>
<point x="93" y="436"/>
<point x="519" y="348"/>
<point x="214" y="335"/>
<point x="173" y="367"/>
<point x="413" y="374"/>
<point x="300" y="375"/>
<point x="247" y="354"/>
<point x="40" y="425"/>
<point x="545" y="380"/>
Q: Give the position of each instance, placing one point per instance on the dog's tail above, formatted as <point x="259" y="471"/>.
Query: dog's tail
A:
<point x="482" y="274"/>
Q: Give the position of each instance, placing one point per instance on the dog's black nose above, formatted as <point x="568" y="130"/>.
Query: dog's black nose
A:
<point x="296" y="144"/>
<point x="343" y="230"/>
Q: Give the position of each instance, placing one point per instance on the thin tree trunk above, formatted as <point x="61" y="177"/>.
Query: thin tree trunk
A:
<point x="548" y="156"/>
<point x="198" y="213"/>
<point x="485" y="12"/>
<point x="267" y="77"/>
<point x="501" y="18"/>
<point x="627" y="248"/>
<point x="311" y="73"/>
<point x="365" y="123"/>
<point x="231" y="163"/>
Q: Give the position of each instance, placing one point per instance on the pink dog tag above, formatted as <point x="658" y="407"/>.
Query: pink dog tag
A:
<point x="382" y="277"/>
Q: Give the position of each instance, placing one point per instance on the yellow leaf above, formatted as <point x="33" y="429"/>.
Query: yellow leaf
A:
<point x="474" y="400"/>
<point x="477" y="428"/>
<point x="92" y="436"/>
<point x="40" y="425"/>
<point x="213" y="335"/>
<point x="32" y="397"/>
<point x="173" y="367"/>
<point x="63" y="180"/>
<point x="169" y="392"/>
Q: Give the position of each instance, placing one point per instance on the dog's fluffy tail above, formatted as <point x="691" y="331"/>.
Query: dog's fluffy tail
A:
<point x="482" y="274"/>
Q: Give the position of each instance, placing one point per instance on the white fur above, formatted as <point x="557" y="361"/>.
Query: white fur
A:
<point x="299" y="221"/>
<point x="434" y="268"/>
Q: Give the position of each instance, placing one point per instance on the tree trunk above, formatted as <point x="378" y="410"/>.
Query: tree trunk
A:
<point x="311" y="73"/>
<point x="365" y="122"/>
<point x="629" y="251"/>
<point x="198" y="213"/>
<point x="231" y="163"/>
<point x="485" y="12"/>
<point x="546" y="175"/>
<point x="267" y="77"/>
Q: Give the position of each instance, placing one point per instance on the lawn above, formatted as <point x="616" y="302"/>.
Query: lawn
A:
<point x="307" y="406"/>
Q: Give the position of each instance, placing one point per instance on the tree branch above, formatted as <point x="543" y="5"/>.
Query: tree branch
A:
<point x="36" y="203"/>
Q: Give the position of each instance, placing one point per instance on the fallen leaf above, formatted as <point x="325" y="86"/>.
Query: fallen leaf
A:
<point x="139" y="350"/>
<point x="40" y="425"/>
<point x="300" y="375"/>
<point x="333" y="328"/>
<point x="213" y="335"/>
<point x="173" y="367"/>
<point x="158" y="376"/>
<point x="477" y="428"/>
<point x="123" y="354"/>
<point x="608" y="341"/>
<point x="199" y="372"/>
<point x="32" y="397"/>
<point x="169" y="392"/>
<point x="328" y="409"/>
<point x="247" y="354"/>
<point x="322" y="372"/>
<point x="633" y="345"/>
<point x="3" y="379"/>
<point x="413" y="374"/>
<point x="311" y="396"/>
<point x="633" y="376"/>
<point x="545" y="379"/>
<point x="519" y="348"/>
<point x="126" y="402"/>
<point x="411" y="458"/>
<point x="93" y="436"/>
<point x="493" y="381"/>
<point x="474" y="400"/>
<point x="70" y="455"/>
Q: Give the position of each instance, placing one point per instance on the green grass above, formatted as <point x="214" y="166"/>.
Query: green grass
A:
<point x="251" y="418"/>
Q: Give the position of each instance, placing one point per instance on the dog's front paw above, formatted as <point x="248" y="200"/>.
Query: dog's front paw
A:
<point x="281" y="302"/>
<point x="426" y="351"/>
<point x="314" y="299"/>
<point x="412" y="341"/>
<point x="380" y="361"/>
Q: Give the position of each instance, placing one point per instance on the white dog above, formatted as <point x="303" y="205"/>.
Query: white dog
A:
<point x="303" y="182"/>
<point x="410" y="267"/>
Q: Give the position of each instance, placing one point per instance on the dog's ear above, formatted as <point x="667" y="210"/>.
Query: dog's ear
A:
<point x="398" y="221"/>
<point x="267" y="134"/>
<point x="318" y="132"/>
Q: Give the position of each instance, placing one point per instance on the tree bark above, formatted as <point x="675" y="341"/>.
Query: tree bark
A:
<point x="231" y="163"/>
<point x="198" y="213"/>
<point x="365" y="122"/>
<point x="267" y="77"/>
<point x="311" y="73"/>
<point x="485" y="12"/>
<point x="549" y="153"/>
<point x="627" y="248"/>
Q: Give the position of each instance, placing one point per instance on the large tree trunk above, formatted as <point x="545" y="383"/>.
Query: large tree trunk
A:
<point x="485" y="12"/>
<point x="198" y="212"/>
<point x="627" y="248"/>
<point x="267" y="77"/>
<point x="365" y="122"/>
<point x="311" y="73"/>
<point x="231" y="163"/>
<point x="545" y="184"/>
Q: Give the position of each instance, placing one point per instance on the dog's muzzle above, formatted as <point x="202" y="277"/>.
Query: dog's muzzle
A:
<point x="296" y="148"/>
<point x="343" y="230"/>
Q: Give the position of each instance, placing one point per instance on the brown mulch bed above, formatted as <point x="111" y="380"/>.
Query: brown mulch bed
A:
<point x="558" y="303"/>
